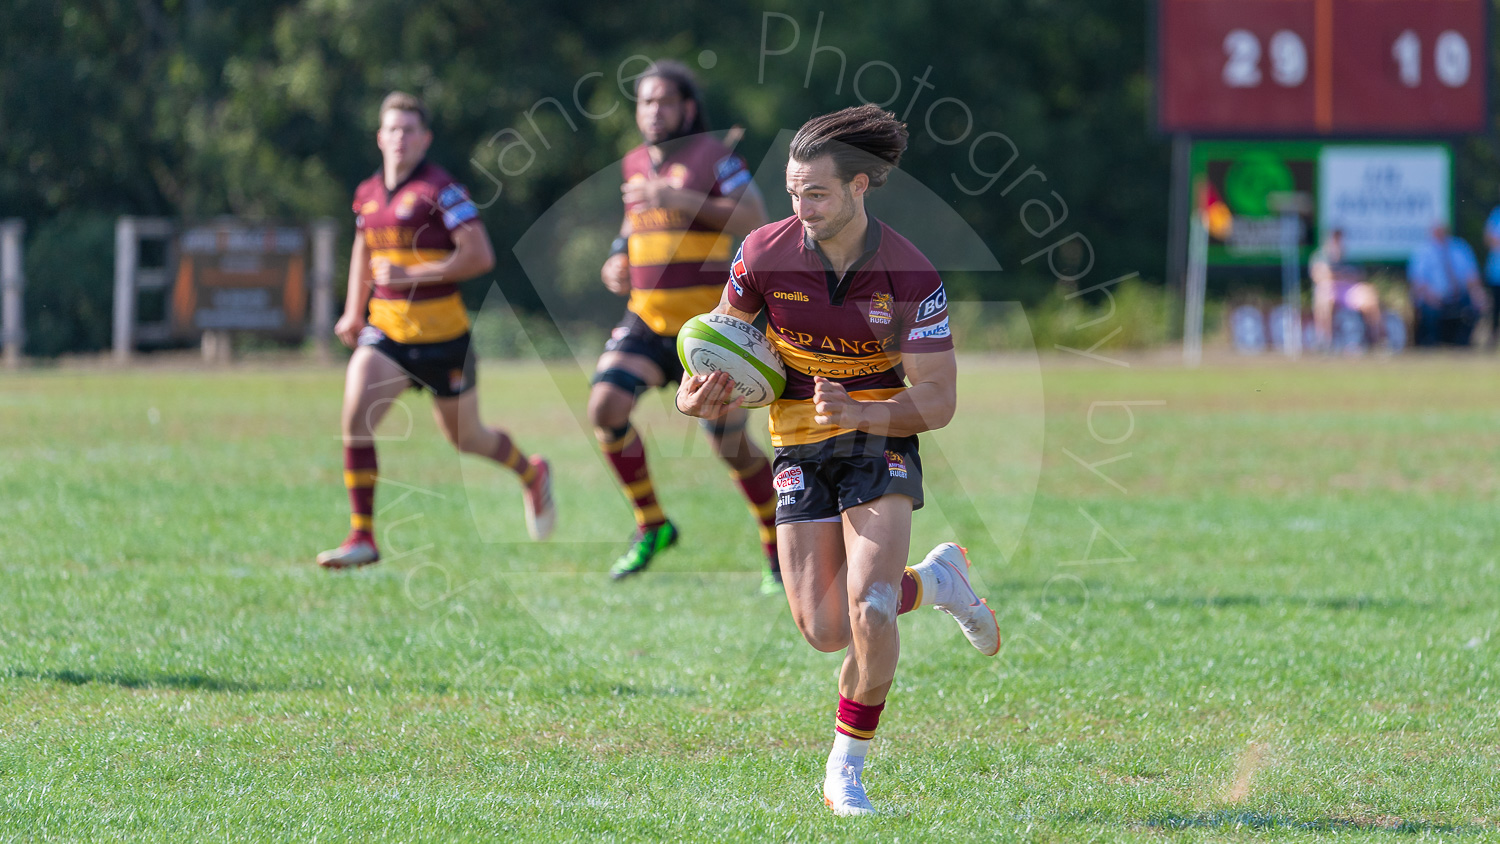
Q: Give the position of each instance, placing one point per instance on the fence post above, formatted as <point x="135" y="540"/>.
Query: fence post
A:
<point x="323" y="231"/>
<point x="127" y="254"/>
<point x="12" y="289"/>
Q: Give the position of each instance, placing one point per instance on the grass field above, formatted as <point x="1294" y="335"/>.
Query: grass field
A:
<point x="1275" y="618"/>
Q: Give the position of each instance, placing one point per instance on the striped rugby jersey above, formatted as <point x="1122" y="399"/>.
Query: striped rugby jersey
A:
<point x="409" y="225"/>
<point x="677" y="264"/>
<point x="852" y="330"/>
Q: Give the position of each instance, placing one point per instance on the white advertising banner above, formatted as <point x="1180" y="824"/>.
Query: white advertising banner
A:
<point x="1385" y="198"/>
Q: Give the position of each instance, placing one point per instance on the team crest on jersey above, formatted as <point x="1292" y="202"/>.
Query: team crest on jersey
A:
<point x="677" y="175"/>
<point x="881" y="309"/>
<point x="406" y="206"/>
<point x="790" y="479"/>
<point x="895" y="464"/>
<point x="370" y="207"/>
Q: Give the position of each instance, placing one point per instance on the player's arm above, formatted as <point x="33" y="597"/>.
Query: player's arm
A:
<point x="724" y="307"/>
<point x="472" y="255"/>
<point x="353" y="320"/>
<point x="616" y="270"/>
<point x="738" y="212"/>
<point x="927" y="405"/>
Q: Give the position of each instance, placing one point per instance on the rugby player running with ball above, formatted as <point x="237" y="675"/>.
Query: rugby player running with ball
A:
<point x="856" y="313"/>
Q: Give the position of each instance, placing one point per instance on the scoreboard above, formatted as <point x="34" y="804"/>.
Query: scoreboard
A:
<point x="1322" y="67"/>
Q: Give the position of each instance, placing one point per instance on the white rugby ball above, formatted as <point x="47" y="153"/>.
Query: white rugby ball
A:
<point x="720" y="343"/>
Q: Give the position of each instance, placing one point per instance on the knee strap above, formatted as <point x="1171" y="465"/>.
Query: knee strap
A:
<point x="625" y="380"/>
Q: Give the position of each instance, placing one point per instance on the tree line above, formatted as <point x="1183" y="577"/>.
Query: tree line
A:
<point x="1023" y="113"/>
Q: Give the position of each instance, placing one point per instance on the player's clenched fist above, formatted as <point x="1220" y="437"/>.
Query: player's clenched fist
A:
<point x="708" y="396"/>
<point x="833" y="406"/>
<point x="616" y="274"/>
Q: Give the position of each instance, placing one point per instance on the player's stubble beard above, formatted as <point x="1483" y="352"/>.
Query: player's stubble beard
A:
<point x="833" y="226"/>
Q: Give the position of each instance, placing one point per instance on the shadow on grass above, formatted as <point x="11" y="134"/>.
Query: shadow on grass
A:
<point x="1231" y="820"/>
<point x="602" y="689"/>
<point x="185" y="682"/>
<point x="1353" y="602"/>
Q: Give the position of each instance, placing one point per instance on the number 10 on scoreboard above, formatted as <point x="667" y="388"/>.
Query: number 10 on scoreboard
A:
<point x="1322" y="67"/>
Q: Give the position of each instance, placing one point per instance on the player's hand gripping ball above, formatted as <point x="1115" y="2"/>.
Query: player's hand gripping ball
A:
<point x="720" y="343"/>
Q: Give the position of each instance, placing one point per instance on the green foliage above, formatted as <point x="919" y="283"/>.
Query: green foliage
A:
<point x="267" y="110"/>
<point x="70" y="284"/>
<point x="1135" y="315"/>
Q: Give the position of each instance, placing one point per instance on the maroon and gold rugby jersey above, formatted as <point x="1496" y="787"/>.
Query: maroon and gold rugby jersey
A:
<point x="410" y="225"/>
<point x="677" y="264"/>
<point x="852" y="330"/>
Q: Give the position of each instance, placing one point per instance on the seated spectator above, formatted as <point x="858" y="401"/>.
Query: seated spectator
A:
<point x="1492" y="273"/>
<point x="1445" y="291"/>
<point x="1337" y="284"/>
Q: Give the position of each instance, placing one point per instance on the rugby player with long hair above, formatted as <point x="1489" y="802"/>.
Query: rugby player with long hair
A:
<point x="860" y="319"/>
<point x="687" y="197"/>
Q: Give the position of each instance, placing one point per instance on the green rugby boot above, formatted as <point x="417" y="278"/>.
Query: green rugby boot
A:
<point x="648" y="543"/>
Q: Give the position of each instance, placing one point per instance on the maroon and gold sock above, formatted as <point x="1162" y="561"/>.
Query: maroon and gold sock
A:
<point x="627" y="455"/>
<point x="508" y="455"/>
<point x="359" y="477"/>
<point x="857" y="720"/>
<point x="756" y="485"/>
<point x="911" y="591"/>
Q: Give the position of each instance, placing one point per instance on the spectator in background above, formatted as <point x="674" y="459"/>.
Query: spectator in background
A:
<point x="1492" y="272"/>
<point x="1445" y="291"/>
<point x="1338" y="284"/>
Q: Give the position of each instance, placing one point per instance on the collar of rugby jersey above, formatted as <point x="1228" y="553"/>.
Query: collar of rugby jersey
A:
<point x="390" y="192"/>
<point x="839" y="287"/>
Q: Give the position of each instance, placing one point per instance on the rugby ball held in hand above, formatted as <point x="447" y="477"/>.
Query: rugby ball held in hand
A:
<point x="719" y="343"/>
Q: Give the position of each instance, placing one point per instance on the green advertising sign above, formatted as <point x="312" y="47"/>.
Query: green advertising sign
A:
<point x="1236" y="180"/>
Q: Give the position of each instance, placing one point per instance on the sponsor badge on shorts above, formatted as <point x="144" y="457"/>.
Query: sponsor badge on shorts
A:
<point x="896" y="464"/>
<point x="455" y="380"/>
<point x="789" y="480"/>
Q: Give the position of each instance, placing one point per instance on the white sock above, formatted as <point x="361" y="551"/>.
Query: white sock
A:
<point x="937" y="583"/>
<point x="848" y="750"/>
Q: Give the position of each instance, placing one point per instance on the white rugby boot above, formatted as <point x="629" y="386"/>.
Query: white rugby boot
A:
<point x="945" y="572"/>
<point x="541" y="512"/>
<point x="844" y="792"/>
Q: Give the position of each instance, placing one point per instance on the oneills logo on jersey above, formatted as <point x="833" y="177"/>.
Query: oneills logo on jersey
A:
<point x="881" y="312"/>
<point x="798" y="296"/>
